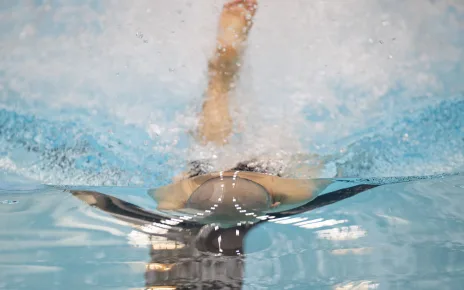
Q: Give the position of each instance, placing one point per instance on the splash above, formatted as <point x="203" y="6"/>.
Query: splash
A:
<point x="106" y="93"/>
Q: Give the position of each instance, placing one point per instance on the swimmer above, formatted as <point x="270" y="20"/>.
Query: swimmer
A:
<point x="249" y="186"/>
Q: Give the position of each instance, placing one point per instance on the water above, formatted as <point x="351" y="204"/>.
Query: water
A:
<point x="406" y="235"/>
<point x="102" y="96"/>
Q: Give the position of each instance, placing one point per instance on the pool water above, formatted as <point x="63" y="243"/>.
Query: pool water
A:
<point x="406" y="235"/>
<point x="98" y="102"/>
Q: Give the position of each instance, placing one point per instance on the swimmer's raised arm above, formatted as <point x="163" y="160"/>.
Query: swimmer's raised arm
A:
<point x="215" y="124"/>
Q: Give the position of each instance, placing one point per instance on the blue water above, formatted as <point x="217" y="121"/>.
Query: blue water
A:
<point x="406" y="235"/>
<point x="100" y="98"/>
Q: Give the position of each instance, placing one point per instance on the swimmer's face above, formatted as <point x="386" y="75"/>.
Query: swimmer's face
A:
<point x="230" y="199"/>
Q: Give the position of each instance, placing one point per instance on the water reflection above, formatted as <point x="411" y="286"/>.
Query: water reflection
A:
<point x="186" y="253"/>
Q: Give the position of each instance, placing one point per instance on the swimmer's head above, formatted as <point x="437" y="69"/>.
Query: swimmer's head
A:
<point x="227" y="199"/>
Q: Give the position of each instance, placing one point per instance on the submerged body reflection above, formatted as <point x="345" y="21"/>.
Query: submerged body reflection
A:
<point x="189" y="254"/>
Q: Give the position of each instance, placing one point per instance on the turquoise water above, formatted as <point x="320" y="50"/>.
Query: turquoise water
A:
<point x="406" y="235"/>
<point x="97" y="101"/>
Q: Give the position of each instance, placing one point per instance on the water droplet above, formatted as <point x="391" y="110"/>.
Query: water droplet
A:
<point x="7" y="201"/>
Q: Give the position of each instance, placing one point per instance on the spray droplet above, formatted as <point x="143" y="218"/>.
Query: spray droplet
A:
<point x="7" y="201"/>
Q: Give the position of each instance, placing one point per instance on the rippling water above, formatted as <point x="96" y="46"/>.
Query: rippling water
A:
<point x="406" y="235"/>
<point x="100" y="97"/>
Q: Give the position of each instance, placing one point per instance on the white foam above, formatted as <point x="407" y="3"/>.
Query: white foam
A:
<point x="144" y="63"/>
